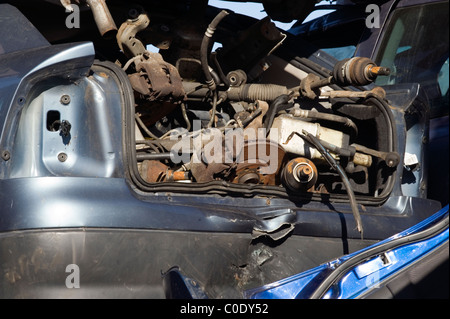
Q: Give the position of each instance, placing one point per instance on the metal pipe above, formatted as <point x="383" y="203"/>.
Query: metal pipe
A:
<point x="325" y="116"/>
<point x="153" y="156"/>
<point x="102" y="16"/>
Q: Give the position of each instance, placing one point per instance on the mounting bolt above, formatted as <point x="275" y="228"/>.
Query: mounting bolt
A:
<point x="65" y="99"/>
<point x="62" y="157"/>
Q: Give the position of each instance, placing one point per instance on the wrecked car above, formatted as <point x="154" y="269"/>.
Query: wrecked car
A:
<point x="234" y="156"/>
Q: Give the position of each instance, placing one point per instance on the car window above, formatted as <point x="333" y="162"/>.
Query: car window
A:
<point x="443" y="78"/>
<point x="337" y="33"/>
<point x="415" y="48"/>
<point x="341" y="53"/>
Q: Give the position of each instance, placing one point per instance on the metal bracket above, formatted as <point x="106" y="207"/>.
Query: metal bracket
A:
<point x="126" y="36"/>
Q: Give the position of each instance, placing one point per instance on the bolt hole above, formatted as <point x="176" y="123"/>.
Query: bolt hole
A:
<point x="53" y="121"/>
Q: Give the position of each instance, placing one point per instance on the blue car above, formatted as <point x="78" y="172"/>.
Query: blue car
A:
<point x="412" y="264"/>
<point x="180" y="150"/>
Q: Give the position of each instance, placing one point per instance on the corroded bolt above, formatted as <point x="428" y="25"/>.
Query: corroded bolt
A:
<point x="62" y="157"/>
<point x="65" y="99"/>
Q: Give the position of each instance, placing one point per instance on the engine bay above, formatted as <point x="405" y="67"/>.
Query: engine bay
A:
<point x="243" y="117"/>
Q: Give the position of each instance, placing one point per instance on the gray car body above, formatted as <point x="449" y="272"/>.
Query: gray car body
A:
<point x="85" y="209"/>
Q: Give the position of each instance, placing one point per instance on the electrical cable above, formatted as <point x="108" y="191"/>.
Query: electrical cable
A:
<point x="213" y="110"/>
<point x="185" y="117"/>
<point x="144" y="127"/>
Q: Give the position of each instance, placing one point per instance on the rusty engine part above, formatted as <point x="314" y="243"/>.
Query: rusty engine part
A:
<point x="260" y="163"/>
<point x="376" y="91"/>
<point x="155" y="79"/>
<point x="391" y="158"/>
<point x="357" y="71"/>
<point x="245" y="92"/>
<point x="254" y="162"/>
<point x="299" y="174"/>
<point x="310" y="88"/>
<point x="157" y="83"/>
<point x="255" y="120"/>
<point x="154" y="171"/>
<point x="126" y="36"/>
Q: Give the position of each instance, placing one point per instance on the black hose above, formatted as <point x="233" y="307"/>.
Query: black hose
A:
<point x="332" y="118"/>
<point x="251" y="117"/>
<point x="216" y="78"/>
<point x="346" y="152"/>
<point x="312" y="140"/>
<point x="185" y="116"/>
<point x="335" y="118"/>
<point x="220" y="73"/>
<point x="280" y="103"/>
<point x="204" y="48"/>
<point x="386" y="111"/>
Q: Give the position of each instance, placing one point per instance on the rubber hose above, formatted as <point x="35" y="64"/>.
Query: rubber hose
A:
<point x="204" y="48"/>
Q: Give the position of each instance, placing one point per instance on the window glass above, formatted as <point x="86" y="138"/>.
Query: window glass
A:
<point x="341" y="53"/>
<point x="415" y="48"/>
<point x="443" y="78"/>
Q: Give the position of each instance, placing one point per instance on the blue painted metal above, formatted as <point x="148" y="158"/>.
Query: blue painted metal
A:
<point x="364" y="276"/>
<point x="370" y="274"/>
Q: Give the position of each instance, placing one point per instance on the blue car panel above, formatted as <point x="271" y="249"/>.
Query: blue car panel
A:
<point x="368" y="274"/>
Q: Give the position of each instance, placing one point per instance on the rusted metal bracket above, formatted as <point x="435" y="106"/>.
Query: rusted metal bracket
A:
<point x="155" y="78"/>
<point x="376" y="91"/>
<point x="310" y="88"/>
<point x="126" y="36"/>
